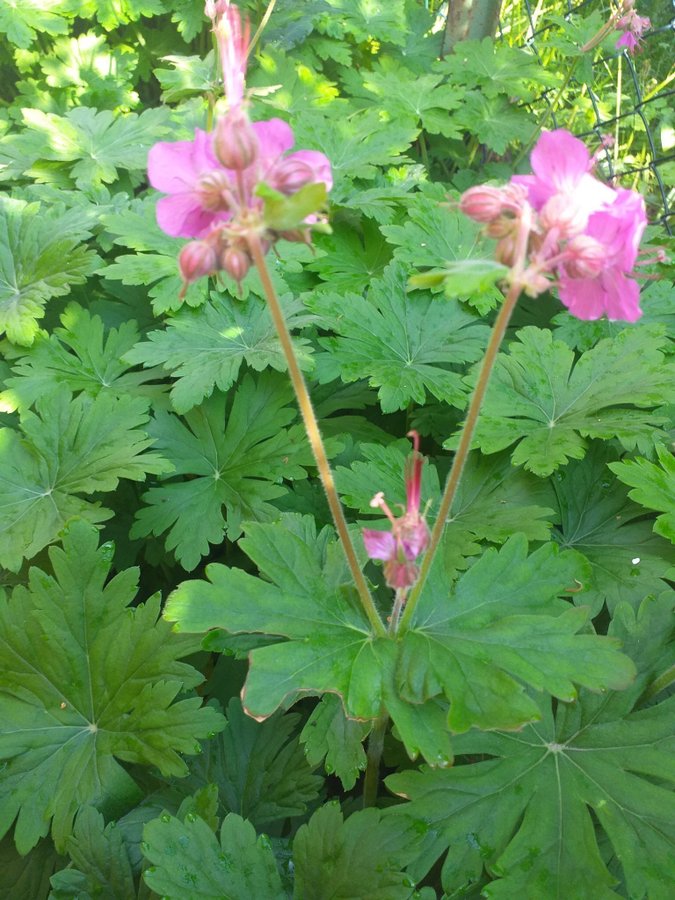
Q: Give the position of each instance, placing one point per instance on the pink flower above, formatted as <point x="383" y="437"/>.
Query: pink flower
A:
<point x="633" y="27"/>
<point x="202" y="193"/>
<point x="409" y="535"/>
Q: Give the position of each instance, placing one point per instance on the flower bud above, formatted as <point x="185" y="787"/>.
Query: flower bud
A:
<point x="234" y="141"/>
<point x="505" y="251"/>
<point x="236" y="262"/>
<point x="501" y="227"/>
<point x="195" y="260"/>
<point x="213" y="190"/>
<point x="482" y="203"/>
<point x="585" y="257"/>
<point x="290" y="175"/>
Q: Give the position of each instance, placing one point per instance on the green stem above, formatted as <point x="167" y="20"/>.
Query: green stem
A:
<point x="464" y="446"/>
<point x="313" y="434"/>
<point x="371" y="781"/>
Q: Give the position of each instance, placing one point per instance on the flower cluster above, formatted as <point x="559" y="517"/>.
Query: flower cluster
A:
<point x="211" y="181"/>
<point x="409" y="535"/>
<point x="563" y="226"/>
<point x="633" y="27"/>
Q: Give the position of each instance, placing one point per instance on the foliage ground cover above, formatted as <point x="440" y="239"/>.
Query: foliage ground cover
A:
<point x="194" y="701"/>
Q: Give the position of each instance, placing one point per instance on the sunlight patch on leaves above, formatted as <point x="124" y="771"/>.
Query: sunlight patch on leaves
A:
<point x="86" y="682"/>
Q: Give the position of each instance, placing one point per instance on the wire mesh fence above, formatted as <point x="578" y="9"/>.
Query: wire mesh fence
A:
<point x="629" y="99"/>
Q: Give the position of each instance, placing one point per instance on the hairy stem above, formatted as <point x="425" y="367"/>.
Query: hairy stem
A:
<point x="464" y="445"/>
<point x="313" y="434"/>
<point x="371" y="781"/>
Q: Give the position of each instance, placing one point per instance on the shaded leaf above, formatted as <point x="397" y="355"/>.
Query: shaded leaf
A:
<point x="330" y="735"/>
<point x="654" y="487"/>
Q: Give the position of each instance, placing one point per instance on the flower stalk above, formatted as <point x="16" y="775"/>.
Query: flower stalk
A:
<point x="313" y="433"/>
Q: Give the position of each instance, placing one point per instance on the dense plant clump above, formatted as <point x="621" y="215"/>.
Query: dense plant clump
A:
<point x="253" y="644"/>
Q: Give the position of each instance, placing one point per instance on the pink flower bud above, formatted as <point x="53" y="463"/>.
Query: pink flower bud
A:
<point x="236" y="262"/>
<point x="482" y="203"/>
<point x="195" y="260"/>
<point x="214" y="191"/>
<point x="234" y="140"/>
<point x="290" y="175"/>
<point x="586" y="257"/>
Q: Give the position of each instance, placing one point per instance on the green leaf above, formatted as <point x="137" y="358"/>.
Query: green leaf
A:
<point x="356" y="144"/>
<point x="82" y="355"/>
<point x="99" y="862"/>
<point x="282" y="213"/>
<point x="86" y="682"/>
<point x="204" y="348"/>
<point x="235" y="452"/>
<point x="401" y="95"/>
<point x="654" y="487"/>
<point x="94" y="144"/>
<point x="495" y="121"/>
<point x="540" y="397"/>
<point x="113" y="13"/>
<point x="362" y="857"/>
<point x="500" y="628"/>
<point x="328" y="734"/>
<point x="27" y="877"/>
<point x="459" y="279"/>
<point x="596" y="518"/>
<point x="383" y="20"/>
<point x="189" y="16"/>
<point x="41" y="256"/>
<point x="21" y="19"/>
<point x="66" y="448"/>
<point x="528" y="812"/>
<point x="402" y="343"/>
<point x="190" y="75"/>
<point x="259" y="768"/>
<point x="239" y="868"/>
<point x="349" y="260"/>
<point x="292" y="87"/>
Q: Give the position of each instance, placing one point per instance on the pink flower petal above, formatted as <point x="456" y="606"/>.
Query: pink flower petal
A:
<point x="181" y="215"/>
<point x="175" y="167"/>
<point x="276" y="137"/>
<point x="318" y="163"/>
<point x="379" y="544"/>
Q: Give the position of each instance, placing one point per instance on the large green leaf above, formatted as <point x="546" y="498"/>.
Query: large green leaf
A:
<point x="501" y="627"/>
<point x="329" y="734"/>
<point x="404" y="344"/>
<point x="259" y="768"/>
<point x="41" y="256"/>
<point x="235" y="452"/>
<point x="87" y="682"/>
<point x="68" y="447"/>
<point x="595" y="517"/>
<point x="84" y="356"/>
<point x="527" y="812"/>
<point x="188" y="861"/>
<point x="653" y="487"/>
<point x="205" y="348"/>
<point x="548" y="403"/>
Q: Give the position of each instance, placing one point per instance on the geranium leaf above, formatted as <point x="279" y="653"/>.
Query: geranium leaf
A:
<point x="502" y="626"/>
<point x="653" y="486"/>
<point x="240" y="867"/>
<point x="41" y="256"/>
<point x="402" y="343"/>
<point x="330" y="735"/>
<point x="101" y="689"/>
<point x="525" y="812"/>
<point x="235" y="452"/>
<point x="205" y="348"/>
<point x="542" y="399"/>
<point x="82" y="355"/>
<point x="365" y="20"/>
<point x="21" y="19"/>
<point x="362" y="856"/>
<point x="595" y="517"/>
<point x="66" y="448"/>
<point x="100" y="862"/>
<point x="259" y="768"/>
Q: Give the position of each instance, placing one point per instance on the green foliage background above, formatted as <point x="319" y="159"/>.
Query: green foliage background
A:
<point x="153" y="471"/>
